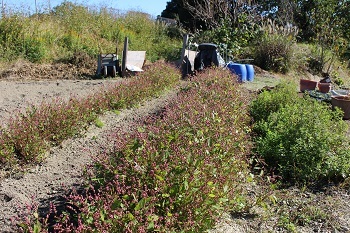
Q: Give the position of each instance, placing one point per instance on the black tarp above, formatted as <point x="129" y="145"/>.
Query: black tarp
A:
<point x="207" y="56"/>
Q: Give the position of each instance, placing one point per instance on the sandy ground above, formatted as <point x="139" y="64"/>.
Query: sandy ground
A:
<point x="18" y="95"/>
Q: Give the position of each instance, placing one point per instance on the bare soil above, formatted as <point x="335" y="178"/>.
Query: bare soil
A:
<point x="23" y="85"/>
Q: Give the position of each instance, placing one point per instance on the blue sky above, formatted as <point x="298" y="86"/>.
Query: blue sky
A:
<point x="153" y="7"/>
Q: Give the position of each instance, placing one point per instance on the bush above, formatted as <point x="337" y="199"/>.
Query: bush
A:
<point x="34" y="50"/>
<point x="271" y="101"/>
<point x="234" y="38"/>
<point x="274" y="52"/>
<point x="304" y="141"/>
<point x="11" y="36"/>
<point x="6" y="149"/>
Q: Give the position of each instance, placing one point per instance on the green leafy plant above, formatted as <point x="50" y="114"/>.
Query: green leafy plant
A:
<point x="269" y="102"/>
<point x="117" y="112"/>
<point x="6" y="147"/>
<point x="303" y="140"/>
<point x="34" y="50"/>
<point x="99" y="123"/>
<point x="233" y="38"/>
<point x="329" y="24"/>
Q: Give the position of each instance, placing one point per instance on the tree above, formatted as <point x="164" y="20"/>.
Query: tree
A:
<point x="344" y="7"/>
<point x="328" y="26"/>
<point x="175" y="10"/>
<point x="211" y="12"/>
<point x="214" y="12"/>
<point x="206" y="14"/>
<point x="307" y="15"/>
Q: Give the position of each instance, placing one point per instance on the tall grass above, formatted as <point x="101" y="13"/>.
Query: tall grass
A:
<point x="70" y="28"/>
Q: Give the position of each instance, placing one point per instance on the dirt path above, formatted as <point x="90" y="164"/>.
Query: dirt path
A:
<point x="17" y="95"/>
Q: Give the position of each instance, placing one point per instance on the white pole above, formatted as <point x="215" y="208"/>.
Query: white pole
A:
<point x="36" y="8"/>
<point x="2" y="9"/>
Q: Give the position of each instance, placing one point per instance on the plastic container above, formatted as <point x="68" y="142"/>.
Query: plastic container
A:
<point x="239" y="69"/>
<point x="340" y="92"/>
<point x="250" y="72"/>
<point x="307" y="85"/>
<point x="342" y="102"/>
<point x="324" y="87"/>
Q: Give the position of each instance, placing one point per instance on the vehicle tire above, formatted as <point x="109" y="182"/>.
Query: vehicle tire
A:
<point x="105" y="71"/>
<point x="114" y="72"/>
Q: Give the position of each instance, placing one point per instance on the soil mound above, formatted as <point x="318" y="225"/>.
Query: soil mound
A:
<point x="79" y="66"/>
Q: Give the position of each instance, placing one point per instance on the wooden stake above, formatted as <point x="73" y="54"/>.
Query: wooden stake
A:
<point x="125" y="54"/>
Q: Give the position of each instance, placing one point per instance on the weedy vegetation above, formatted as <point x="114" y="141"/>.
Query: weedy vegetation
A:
<point x="30" y="134"/>
<point x="55" y="35"/>
<point x="214" y="149"/>
<point x="178" y="171"/>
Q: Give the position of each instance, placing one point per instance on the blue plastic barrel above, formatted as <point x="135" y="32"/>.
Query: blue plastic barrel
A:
<point x="250" y="72"/>
<point x="239" y="69"/>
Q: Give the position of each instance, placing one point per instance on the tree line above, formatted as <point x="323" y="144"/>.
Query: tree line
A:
<point x="322" y="20"/>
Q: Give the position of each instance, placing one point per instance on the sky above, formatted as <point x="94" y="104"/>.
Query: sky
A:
<point x="153" y="7"/>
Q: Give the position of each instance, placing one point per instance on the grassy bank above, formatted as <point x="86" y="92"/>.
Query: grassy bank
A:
<point x="70" y="28"/>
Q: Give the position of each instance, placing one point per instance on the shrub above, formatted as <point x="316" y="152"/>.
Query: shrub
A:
<point x="305" y="142"/>
<point x="234" y="37"/>
<point x="271" y="101"/>
<point x="11" y="36"/>
<point x="34" y="50"/>
<point x="274" y="52"/>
